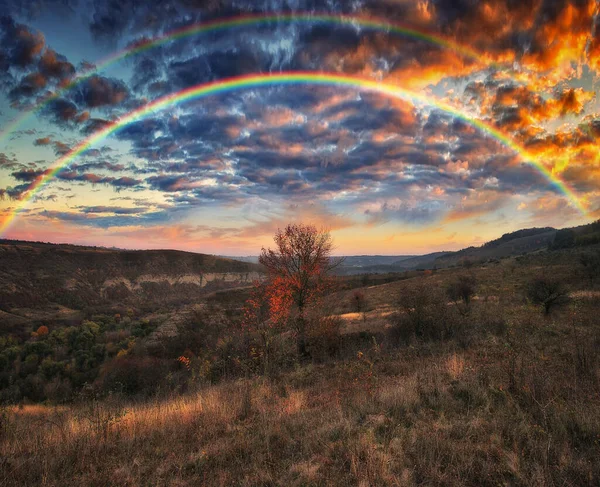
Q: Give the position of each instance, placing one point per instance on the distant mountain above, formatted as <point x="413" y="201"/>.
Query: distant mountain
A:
<point x="364" y="264"/>
<point x="40" y="275"/>
<point x="514" y="243"/>
<point x="351" y="264"/>
<point x="421" y="261"/>
<point x="519" y="234"/>
<point x="253" y="259"/>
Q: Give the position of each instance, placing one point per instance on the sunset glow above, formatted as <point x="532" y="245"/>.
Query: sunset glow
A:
<point x="401" y="130"/>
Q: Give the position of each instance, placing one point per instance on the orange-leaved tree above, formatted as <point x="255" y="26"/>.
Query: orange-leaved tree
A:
<point x="298" y="272"/>
<point x="266" y="313"/>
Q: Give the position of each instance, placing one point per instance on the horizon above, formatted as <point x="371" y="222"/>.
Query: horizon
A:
<point x="206" y="130"/>
<point x="255" y="255"/>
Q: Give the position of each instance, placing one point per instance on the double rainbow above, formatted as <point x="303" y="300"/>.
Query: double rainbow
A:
<point x="367" y="23"/>
<point x="289" y="78"/>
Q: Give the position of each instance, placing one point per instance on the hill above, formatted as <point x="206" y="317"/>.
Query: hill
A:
<point x="577" y="236"/>
<point x="496" y="393"/>
<point x="510" y="244"/>
<point x="40" y="275"/>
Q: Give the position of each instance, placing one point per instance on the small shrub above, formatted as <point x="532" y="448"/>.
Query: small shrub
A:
<point x="133" y="375"/>
<point x="461" y="292"/>
<point x="357" y="301"/>
<point x="591" y="265"/>
<point x="323" y="335"/>
<point x="423" y="314"/>
<point x="42" y="330"/>
<point x="547" y="292"/>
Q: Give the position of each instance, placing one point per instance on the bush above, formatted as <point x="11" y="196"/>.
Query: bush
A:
<point x="461" y="292"/>
<point x="323" y="336"/>
<point x="591" y="265"/>
<point x="423" y="314"/>
<point x="357" y="301"/>
<point x="133" y="375"/>
<point x="548" y="292"/>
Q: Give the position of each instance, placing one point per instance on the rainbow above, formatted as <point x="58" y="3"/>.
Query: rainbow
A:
<point x="289" y="78"/>
<point x="364" y="22"/>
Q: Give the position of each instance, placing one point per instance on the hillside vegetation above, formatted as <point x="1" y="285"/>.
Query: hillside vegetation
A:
<point x="450" y="377"/>
<point x="37" y="275"/>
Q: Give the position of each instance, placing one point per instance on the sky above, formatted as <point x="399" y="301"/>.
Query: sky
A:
<point x="488" y="122"/>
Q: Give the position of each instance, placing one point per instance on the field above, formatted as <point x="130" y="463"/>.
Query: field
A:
<point x="510" y="397"/>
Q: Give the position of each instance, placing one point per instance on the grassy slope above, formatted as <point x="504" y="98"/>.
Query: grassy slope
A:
<point x="515" y="402"/>
<point x="42" y="276"/>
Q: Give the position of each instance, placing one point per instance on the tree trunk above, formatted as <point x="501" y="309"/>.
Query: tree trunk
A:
<point x="301" y="340"/>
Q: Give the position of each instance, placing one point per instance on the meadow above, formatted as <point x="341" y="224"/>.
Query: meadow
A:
<point x="493" y="393"/>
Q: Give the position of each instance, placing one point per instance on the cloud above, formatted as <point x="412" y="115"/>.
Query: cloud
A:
<point x="343" y="150"/>
<point x="8" y="162"/>
<point x="42" y="141"/>
<point x="20" y="45"/>
<point x="476" y="203"/>
<point x="56" y="66"/>
<point x="99" y="220"/>
<point x="29" y="175"/>
<point x="117" y="210"/>
<point x="119" y="183"/>
<point x="63" y="112"/>
<point x="98" y="91"/>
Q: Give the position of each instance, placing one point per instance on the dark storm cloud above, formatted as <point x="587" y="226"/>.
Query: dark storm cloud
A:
<point x="216" y="65"/>
<point x="36" y="8"/>
<point x="17" y="192"/>
<point x="146" y="71"/>
<point x="308" y="141"/>
<point x="28" y="86"/>
<point x="111" y="18"/>
<point x="94" y="124"/>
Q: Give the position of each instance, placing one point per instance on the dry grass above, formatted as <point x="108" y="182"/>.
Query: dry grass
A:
<point x="439" y="418"/>
<point x="516" y="404"/>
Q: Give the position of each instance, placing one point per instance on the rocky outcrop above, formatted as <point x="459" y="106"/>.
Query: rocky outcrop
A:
<point x="38" y="275"/>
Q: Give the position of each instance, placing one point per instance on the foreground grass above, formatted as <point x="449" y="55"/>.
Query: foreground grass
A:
<point x="429" y="417"/>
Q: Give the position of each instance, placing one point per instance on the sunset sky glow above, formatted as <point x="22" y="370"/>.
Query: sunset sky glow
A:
<point x="405" y="127"/>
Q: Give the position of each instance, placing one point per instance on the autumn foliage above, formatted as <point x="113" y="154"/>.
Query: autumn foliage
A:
<point x="297" y="276"/>
<point x="42" y="330"/>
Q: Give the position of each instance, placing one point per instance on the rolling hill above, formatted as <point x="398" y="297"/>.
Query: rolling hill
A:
<point x="39" y="275"/>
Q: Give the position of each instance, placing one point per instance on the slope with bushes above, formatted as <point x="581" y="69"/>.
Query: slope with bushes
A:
<point x="454" y="377"/>
<point x="36" y="275"/>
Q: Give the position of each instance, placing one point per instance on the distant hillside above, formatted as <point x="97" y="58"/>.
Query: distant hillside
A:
<point x="353" y="264"/>
<point x="577" y="236"/>
<point x="515" y="243"/>
<point x="39" y="274"/>
<point x="421" y="261"/>
<point x="365" y="264"/>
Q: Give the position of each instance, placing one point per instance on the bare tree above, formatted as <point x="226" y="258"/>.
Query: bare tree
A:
<point x="300" y="265"/>
<point x="548" y="292"/>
